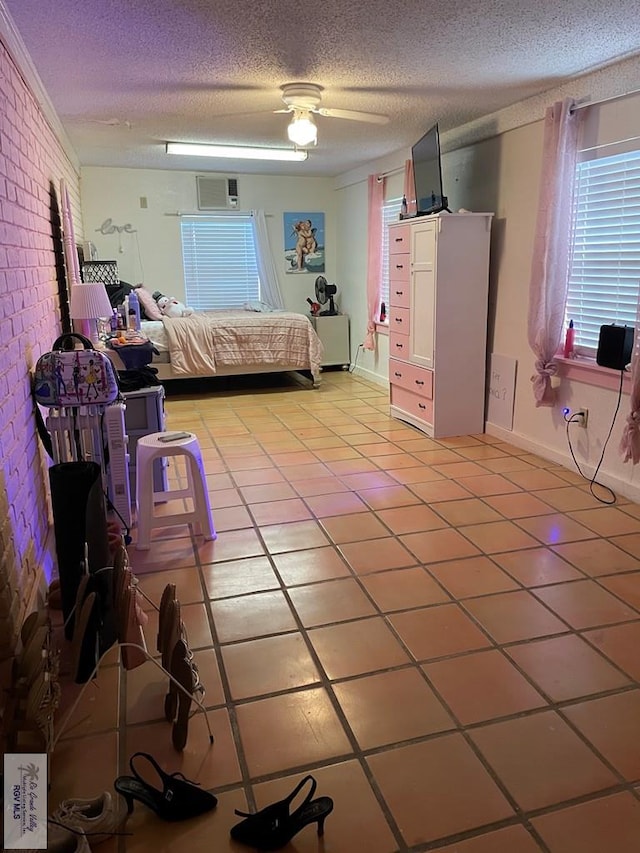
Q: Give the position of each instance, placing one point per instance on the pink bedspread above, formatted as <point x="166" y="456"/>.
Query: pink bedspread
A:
<point x="204" y="342"/>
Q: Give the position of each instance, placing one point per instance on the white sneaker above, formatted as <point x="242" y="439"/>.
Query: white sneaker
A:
<point x="61" y="841"/>
<point x="96" y="819"/>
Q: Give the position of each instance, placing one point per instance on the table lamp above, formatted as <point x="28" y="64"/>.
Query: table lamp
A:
<point x="89" y="302"/>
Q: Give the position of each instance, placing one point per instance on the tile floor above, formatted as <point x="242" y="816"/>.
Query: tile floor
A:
<point x="444" y="633"/>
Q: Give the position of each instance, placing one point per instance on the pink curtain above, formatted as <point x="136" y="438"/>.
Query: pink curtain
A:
<point x="630" y="442"/>
<point x="409" y="188"/>
<point x="374" y="257"/>
<point x="552" y="249"/>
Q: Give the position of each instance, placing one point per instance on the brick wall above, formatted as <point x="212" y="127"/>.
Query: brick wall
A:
<point x="32" y="162"/>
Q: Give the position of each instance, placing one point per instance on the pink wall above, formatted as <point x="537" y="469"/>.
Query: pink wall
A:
<point x="32" y="162"/>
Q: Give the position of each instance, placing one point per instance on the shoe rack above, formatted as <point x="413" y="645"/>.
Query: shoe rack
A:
<point x="184" y="687"/>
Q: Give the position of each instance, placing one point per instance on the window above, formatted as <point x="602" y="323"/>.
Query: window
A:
<point x="390" y="213"/>
<point x="219" y="259"/>
<point x="605" y="275"/>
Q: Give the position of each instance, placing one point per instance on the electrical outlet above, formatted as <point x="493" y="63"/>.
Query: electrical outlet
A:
<point x="581" y="417"/>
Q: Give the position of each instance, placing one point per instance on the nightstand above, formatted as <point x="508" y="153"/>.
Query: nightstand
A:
<point x="333" y="331"/>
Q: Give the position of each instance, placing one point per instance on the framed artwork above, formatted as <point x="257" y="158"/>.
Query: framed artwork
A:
<point x="304" y="242"/>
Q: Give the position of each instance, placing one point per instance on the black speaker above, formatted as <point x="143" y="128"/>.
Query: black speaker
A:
<point x="615" y="346"/>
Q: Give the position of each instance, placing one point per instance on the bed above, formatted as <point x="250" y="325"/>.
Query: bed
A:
<point x="234" y="342"/>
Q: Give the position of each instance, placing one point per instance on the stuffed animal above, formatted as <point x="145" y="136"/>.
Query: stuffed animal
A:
<point x="170" y="307"/>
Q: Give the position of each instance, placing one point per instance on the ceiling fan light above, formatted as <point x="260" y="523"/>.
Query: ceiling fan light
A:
<point x="239" y="152"/>
<point x="302" y="129"/>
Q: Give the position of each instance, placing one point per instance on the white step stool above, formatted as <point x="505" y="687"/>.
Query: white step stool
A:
<point x="148" y="449"/>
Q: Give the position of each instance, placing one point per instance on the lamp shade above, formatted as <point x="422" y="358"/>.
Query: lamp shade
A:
<point x="302" y="130"/>
<point x="89" y="301"/>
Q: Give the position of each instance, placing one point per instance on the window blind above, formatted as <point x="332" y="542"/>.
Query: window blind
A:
<point x="390" y="213"/>
<point x="605" y="274"/>
<point x="219" y="260"/>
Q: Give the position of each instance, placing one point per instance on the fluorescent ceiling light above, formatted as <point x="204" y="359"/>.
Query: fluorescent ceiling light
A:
<point x="240" y="152"/>
<point x="302" y="130"/>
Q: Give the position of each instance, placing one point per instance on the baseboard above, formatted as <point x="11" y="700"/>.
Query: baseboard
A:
<point x="619" y="486"/>
<point x="370" y="376"/>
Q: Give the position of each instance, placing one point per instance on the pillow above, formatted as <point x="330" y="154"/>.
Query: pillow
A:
<point x="148" y="304"/>
<point x="261" y="307"/>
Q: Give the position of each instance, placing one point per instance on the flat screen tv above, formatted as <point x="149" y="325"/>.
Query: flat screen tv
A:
<point x="427" y="174"/>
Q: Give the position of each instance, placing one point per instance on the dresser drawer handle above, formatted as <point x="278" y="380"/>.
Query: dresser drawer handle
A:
<point x="419" y="381"/>
<point x="399" y="292"/>
<point x="400" y="346"/>
<point x="399" y="375"/>
<point x="399" y="239"/>
<point x="399" y="266"/>
<point x="398" y="319"/>
<point x="421" y="406"/>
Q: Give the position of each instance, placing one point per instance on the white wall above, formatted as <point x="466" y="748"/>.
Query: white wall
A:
<point x="492" y="165"/>
<point x="152" y="255"/>
<point x="501" y="174"/>
<point x="513" y="160"/>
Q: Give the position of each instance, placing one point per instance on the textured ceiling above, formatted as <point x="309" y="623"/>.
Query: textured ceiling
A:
<point x="124" y="77"/>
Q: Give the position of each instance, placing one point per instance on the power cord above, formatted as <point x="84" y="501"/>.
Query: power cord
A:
<point x="572" y="419"/>
<point x="355" y="360"/>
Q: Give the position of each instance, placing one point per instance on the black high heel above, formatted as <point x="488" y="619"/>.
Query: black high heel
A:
<point x="179" y="799"/>
<point x="273" y="827"/>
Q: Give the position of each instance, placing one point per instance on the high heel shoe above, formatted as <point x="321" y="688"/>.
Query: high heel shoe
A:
<point x="273" y="827"/>
<point x="179" y="799"/>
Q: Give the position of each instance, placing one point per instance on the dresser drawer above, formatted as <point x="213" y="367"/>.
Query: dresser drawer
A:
<point x="398" y="344"/>
<point x="413" y="378"/>
<point x="399" y="268"/>
<point x="399" y="294"/>
<point x="413" y="404"/>
<point x="399" y="239"/>
<point x="399" y="319"/>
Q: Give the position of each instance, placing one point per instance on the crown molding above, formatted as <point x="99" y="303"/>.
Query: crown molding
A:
<point x="12" y="40"/>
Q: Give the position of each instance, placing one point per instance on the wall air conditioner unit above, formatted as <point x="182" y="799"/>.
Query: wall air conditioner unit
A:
<point x="217" y="193"/>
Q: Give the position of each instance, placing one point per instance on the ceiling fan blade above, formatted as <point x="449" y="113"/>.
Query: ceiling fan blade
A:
<point x="354" y="115"/>
<point x="288" y="110"/>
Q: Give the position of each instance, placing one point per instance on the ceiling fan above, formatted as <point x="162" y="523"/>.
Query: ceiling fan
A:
<point x="303" y="100"/>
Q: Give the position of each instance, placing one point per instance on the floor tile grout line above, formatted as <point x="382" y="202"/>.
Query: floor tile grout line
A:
<point x="326" y="685"/>
<point x="554" y="614"/>
<point x="230" y="708"/>
<point x="550" y="703"/>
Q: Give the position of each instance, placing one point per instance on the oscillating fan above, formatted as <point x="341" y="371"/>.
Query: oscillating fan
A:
<point x="325" y="292"/>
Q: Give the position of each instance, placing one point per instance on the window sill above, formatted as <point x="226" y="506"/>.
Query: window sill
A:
<point x="382" y="328"/>
<point x="585" y="370"/>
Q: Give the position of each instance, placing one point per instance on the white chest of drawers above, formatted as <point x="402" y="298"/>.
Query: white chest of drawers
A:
<point x="438" y="302"/>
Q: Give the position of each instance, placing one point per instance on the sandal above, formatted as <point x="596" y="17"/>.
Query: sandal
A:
<point x="168" y="596"/>
<point x="130" y="618"/>
<point x="179" y="799"/>
<point x="273" y="827"/>
<point x="177" y="633"/>
<point x="186" y="674"/>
